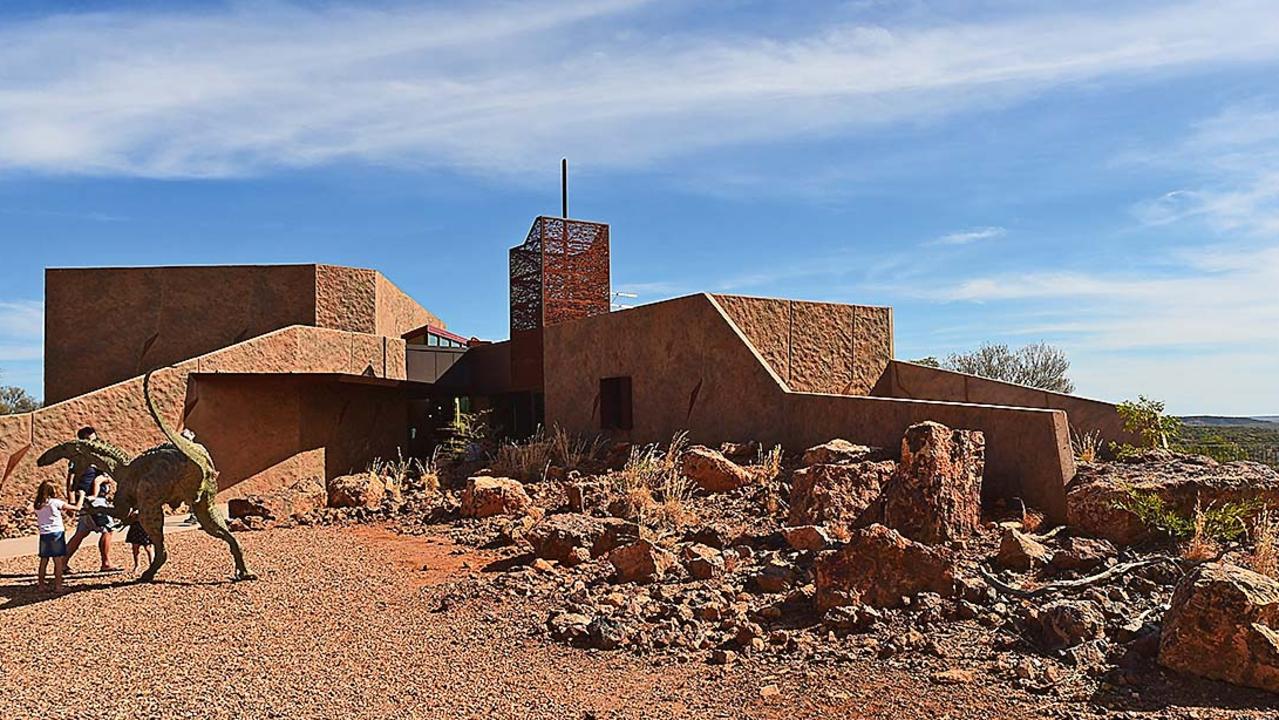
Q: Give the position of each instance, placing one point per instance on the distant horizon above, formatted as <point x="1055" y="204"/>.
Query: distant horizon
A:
<point x="1098" y="176"/>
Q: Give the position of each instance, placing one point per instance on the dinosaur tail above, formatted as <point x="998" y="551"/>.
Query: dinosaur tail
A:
<point x="194" y="451"/>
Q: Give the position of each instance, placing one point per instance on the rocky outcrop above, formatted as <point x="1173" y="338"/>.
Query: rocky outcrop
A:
<point x="641" y="562"/>
<point x="877" y="567"/>
<point x="712" y="472"/>
<point x="935" y="495"/>
<point x="839" y="451"/>
<point x="486" y="496"/>
<point x="1223" y="623"/>
<point x="361" y="490"/>
<point x="838" y="496"/>
<point x="300" y="498"/>
<point x="1094" y="497"/>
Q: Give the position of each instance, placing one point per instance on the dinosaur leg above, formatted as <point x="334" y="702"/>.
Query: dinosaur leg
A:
<point x="152" y="520"/>
<point x="212" y="522"/>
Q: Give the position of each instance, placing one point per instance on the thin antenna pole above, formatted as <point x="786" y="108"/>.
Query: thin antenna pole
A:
<point x="564" y="187"/>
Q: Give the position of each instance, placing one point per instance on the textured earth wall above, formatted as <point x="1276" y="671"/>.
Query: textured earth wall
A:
<point x="817" y="347"/>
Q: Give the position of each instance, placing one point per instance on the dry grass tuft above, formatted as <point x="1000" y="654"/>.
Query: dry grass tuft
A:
<point x="570" y="451"/>
<point x="1264" y="557"/>
<point x="770" y="463"/>
<point x="1201" y="545"/>
<point x="1086" y="445"/>
<point x="406" y="472"/>
<point x="653" y="486"/>
<point x="524" y="459"/>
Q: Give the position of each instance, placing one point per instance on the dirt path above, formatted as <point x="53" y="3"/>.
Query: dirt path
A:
<point x="346" y="623"/>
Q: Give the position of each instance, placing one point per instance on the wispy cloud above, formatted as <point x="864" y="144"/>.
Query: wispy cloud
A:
<point x="21" y="343"/>
<point x="22" y="319"/>
<point x="966" y="237"/>
<point x="501" y="87"/>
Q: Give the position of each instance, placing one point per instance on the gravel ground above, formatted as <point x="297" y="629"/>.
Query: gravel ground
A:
<point x="359" y="623"/>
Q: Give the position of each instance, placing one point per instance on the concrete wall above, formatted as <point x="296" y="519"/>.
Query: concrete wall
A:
<point x="816" y="347"/>
<point x="908" y="380"/>
<point x="118" y="413"/>
<point x="105" y="325"/>
<point x="691" y="368"/>
<point x="289" y="427"/>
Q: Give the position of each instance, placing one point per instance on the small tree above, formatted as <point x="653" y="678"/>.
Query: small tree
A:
<point x="1038" y="365"/>
<point x="1146" y="419"/>
<point x="14" y="399"/>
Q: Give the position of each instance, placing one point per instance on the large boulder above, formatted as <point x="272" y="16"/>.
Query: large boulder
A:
<point x="641" y="562"/>
<point x="360" y="490"/>
<point x="935" y="495"/>
<point x="1223" y="623"/>
<point x="838" y="496"/>
<point x="712" y="472"/>
<point x="300" y="498"/>
<point x="878" y="567"/>
<point x="841" y="451"/>
<point x="486" y="496"/>
<point x="1095" y="497"/>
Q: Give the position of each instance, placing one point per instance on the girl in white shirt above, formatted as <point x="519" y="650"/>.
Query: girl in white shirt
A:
<point x="53" y="538"/>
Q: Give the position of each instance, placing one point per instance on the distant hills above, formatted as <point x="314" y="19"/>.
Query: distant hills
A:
<point x="1225" y="421"/>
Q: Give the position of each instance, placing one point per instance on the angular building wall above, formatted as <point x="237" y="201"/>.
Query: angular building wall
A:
<point x="817" y="347"/>
<point x="245" y="404"/>
<point x="691" y="368"/>
<point x="105" y="325"/>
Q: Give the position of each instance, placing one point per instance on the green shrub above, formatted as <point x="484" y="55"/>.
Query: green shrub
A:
<point x="1223" y="523"/>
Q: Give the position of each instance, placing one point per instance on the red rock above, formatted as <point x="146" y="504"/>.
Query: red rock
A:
<point x="1094" y="497"/>
<point x="486" y="496"/>
<point x="1067" y="623"/>
<point x="641" y="562"/>
<point x="877" y="567"/>
<point x="838" y="496"/>
<point x="300" y="498"/>
<point x="841" y="451"/>
<point x="702" y="561"/>
<point x="585" y="495"/>
<point x="566" y="538"/>
<point x="1020" y="551"/>
<point x="1223" y="623"/>
<point x="935" y="495"/>
<point x="360" y="490"/>
<point x="806" y="537"/>
<point x="712" y="472"/>
<point x="1078" y="553"/>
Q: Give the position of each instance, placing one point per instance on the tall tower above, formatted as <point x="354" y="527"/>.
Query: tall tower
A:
<point x="559" y="273"/>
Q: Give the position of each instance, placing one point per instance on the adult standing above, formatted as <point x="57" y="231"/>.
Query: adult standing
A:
<point x="91" y="486"/>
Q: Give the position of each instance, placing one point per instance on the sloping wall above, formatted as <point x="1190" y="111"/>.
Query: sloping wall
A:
<point x="816" y="347"/>
<point x="908" y="380"/>
<point x="691" y="368"/>
<point x="119" y="414"/>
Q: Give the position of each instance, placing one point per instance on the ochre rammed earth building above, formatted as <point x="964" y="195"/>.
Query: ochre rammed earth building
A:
<point x="293" y="371"/>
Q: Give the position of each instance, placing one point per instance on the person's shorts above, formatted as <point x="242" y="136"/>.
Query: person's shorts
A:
<point x="87" y="524"/>
<point x="53" y="544"/>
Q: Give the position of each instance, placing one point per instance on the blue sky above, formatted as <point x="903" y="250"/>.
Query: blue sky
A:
<point x="1100" y="175"/>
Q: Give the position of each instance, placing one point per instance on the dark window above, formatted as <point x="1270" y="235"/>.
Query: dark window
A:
<point x="615" y="403"/>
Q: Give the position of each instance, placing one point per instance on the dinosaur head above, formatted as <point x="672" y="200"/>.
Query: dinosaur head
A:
<point x="82" y="452"/>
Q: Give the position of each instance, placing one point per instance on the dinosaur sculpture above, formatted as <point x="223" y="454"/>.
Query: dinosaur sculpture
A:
<point x="175" y="472"/>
